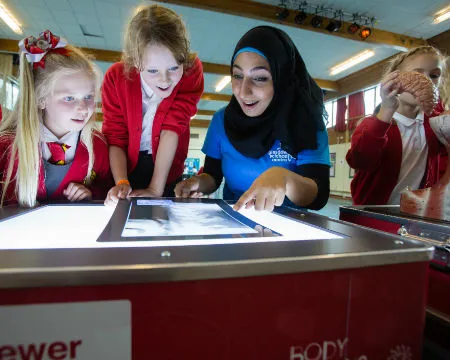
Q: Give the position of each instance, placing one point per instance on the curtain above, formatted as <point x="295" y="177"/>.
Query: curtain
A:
<point x="355" y="109"/>
<point x="340" y="114"/>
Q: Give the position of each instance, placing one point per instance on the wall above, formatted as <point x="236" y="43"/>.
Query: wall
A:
<point x="338" y="137"/>
<point x="340" y="182"/>
<point x="195" y="151"/>
<point x="195" y="145"/>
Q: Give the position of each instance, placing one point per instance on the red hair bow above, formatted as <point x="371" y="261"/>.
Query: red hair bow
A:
<point x="36" y="49"/>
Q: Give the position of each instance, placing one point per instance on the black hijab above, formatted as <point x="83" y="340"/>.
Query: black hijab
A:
<point x="296" y="111"/>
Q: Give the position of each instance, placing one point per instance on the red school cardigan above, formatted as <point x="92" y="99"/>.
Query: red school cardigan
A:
<point x="122" y="113"/>
<point x="376" y="155"/>
<point x="101" y="175"/>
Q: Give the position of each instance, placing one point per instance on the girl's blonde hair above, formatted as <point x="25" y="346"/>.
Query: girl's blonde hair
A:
<point x="24" y="123"/>
<point x="155" y="24"/>
<point x="395" y="62"/>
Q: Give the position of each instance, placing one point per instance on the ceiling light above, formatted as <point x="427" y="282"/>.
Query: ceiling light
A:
<point x="10" y="20"/>
<point x="282" y="13"/>
<point x="365" y="33"/>
<point x="316" y="21"/>
<point x="334" y="25"/>
<point x="442" y="15"/>
<point x="301" y="17"/>
<point x="353" y="28"/>
<point x="222" y="83"/>
<point x="360" y="57"/>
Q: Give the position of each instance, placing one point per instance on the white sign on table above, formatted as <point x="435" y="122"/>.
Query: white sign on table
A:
<point x="84" y="330"/>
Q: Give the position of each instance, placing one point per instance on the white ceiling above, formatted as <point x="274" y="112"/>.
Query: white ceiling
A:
<point x="214" y="35"/>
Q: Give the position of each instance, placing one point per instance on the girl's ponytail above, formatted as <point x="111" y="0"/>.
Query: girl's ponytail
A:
<point x="23" y="124"/>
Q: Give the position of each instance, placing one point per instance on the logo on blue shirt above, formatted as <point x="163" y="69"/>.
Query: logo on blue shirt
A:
<point x="279" y="155"/>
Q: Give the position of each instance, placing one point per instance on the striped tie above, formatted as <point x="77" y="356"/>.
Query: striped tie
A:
<point x="58" y="152"/>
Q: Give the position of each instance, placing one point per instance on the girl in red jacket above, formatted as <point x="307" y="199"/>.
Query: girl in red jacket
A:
<point x="148" y="100"/>
<point x="49" y="149"/>
<point x="396" y="148"/>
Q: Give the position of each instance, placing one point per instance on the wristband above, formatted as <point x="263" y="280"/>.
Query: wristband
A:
<point x="121" y="182"/>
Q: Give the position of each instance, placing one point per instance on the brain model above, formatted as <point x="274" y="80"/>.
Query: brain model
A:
<point x="421" y="87"/>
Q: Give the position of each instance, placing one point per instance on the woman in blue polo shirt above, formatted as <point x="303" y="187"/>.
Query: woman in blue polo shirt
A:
<point x="270" y="143"/>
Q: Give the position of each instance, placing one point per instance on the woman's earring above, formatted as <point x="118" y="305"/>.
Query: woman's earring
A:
<point x="41" y="105"/>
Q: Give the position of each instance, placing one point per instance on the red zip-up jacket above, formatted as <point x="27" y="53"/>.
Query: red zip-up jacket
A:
<point x="122" y="113"/>
<point x="376" y="155"/>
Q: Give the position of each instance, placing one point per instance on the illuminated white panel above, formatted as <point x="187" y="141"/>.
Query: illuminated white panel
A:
<point x="55" y="227"/>
<point x="292" y="230"/>
<point x="80" y="226"/>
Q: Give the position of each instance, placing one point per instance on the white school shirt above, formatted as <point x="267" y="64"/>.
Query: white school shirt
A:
<point x="70" y="139"/>
<point x="414" y="154"/>
<point x="150" y="103"/>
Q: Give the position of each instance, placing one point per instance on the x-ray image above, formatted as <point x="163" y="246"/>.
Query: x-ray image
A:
<point x="173" y="219"/>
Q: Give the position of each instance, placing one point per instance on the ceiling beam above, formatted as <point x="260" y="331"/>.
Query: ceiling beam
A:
<point x="8" y="45"/>
<point x="199" y="123"/>
<point x="199" y="112"/>
<point x="218" y="69"/>
<point x="327" y="85"/>
<point x="216" y="97"/>
<point x="441" y="41"/>
<point x="364" y="78"/>
<point x="372" y="74"/>
<point x="225" y="70"/>
<point x="206" y="112"/>
<point x="205" y="96"/>
<point x="194" y="122"/>
<point x="359" y="80"/>
<point x="266" y="12"/>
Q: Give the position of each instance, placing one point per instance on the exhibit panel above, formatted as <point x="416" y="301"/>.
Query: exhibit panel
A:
<point x="284" y="285"/>
<point x="429" y="231"/>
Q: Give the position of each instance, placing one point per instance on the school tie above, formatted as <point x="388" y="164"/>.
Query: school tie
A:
<point x="58" y="152"/>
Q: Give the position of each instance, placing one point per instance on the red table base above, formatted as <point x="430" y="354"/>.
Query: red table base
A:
<point x="439" y="281"/>
<point x="355" y="314"/>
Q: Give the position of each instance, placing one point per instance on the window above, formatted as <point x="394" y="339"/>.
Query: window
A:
<point x="331" y="108"/>
<point x="11" y="93"/>
<point x="371" y="99"/>
<point x="14" y="95"/>
<point x="377" y="95"/>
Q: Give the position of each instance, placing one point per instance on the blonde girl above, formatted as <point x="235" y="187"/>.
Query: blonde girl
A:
<point x="396" y="147"/>
<point x="49" y="149"/>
